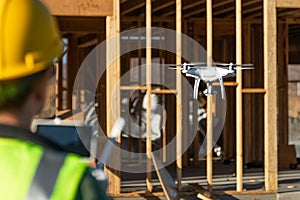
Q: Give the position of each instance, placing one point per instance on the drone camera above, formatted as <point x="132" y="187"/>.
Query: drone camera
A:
<point x="211" y="93"/>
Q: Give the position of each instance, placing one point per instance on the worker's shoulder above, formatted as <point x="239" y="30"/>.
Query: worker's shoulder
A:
<point x="23" y="135"/>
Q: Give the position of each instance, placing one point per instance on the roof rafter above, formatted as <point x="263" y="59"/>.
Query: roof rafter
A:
<point x="131" y="6"/>
<point x="197" y="3"/>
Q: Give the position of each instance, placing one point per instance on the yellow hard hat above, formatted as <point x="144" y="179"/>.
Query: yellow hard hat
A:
<point x="29" y="38"/>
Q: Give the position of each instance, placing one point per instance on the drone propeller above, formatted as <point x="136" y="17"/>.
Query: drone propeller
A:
<point x="186" y="64"/>
<point x="232" y="64"/>
<point x="176" y="68"/>
<point x="241" y="68"/>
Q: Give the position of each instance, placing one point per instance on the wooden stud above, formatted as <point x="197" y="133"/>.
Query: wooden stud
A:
<point x="209" y="132"/>
<point x="148" y="93"/>
<point x="113" y="103"/>
<point x="179" y="95"/>
<point x="239" y="100"/>
<point x="288" y="3"/>
<point x="270" y="83"/>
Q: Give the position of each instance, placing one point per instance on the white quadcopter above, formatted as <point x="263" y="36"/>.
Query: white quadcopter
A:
<point x="199" y="71"/>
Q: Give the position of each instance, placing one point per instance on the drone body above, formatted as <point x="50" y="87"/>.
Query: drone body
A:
<point x="210" y="75"/>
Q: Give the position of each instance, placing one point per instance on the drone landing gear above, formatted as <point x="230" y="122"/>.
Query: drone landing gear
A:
<point x="209" y="91"/>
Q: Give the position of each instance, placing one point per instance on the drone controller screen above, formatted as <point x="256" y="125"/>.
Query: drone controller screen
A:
<point x="75" y="139"/>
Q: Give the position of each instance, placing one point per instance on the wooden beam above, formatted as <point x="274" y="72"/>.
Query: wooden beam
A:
<point x="165" y="91"/>
<point x="247" y="3"/>
<point x="287" y="13"/>
<point x="192" y="5"/>
<point x="203" y="9"/>
<point x="230" y="84"/>
<point x="222" y="3"/>
<point x="164" y="5"/>
<point x="258" y="14"/>
<point x="232" y="7"/>
<point x="254" y="90"/>
<point x="80" y="7"/>
<point x="133" y="88"/>
<point x="221" y="11"/>
<point x="254" y="9"/>
<point x="270" y="84"/>
<point x="81" y="24"/>
<point x="288" y="3"/>
<point x="133" y="8"/>
<point x="239" y="99"/>
<point x="179" y="95"/>
<point x="148" y="93"/>
<point x="210" y="103"/>
<point x="112" y="96"/>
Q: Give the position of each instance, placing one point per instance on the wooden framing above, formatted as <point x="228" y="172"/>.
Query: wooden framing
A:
<point x="288" y="3"/>
<point x="113" y="103"/>
<point x="210" y="103"/>
<point x="270" y="90"/>
<point x="270" y="82"/>
<point x="178" y="95"/>
<point x="148" y="94"/>
<point x="80" y="7"/>
<point x="239" y="100"/>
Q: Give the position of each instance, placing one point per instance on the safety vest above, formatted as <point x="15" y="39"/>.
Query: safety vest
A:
<point x="28" y="171"/>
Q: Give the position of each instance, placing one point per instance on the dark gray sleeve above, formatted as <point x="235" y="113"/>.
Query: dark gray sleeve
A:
<point x="90" y="189"/>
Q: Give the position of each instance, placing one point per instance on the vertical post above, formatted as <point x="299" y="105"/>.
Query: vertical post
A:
<point x="209" y="137"/>
<point x="270" y="84"/>
<point x="113" y="103"/>
<point x="148" y="94"/>
<point x="179" y="95"/>
<point x="239" y="100"/>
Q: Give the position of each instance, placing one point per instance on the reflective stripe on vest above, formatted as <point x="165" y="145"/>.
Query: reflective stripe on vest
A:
<point x="28" y="171"/>
<point x="45" y="176"/>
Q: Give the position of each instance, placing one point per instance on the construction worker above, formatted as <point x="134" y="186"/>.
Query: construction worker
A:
<point x="30" y="166"/>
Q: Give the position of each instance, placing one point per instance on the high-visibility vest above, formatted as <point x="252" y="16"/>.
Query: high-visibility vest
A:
<point x="28" y="171"/>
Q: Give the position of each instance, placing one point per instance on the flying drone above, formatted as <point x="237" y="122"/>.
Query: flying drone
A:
<point x="200" y="71"/>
